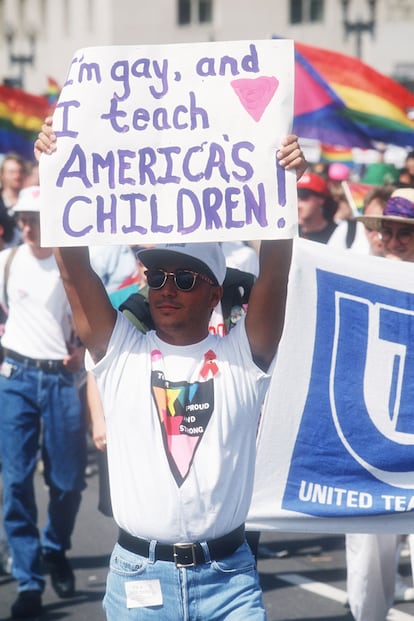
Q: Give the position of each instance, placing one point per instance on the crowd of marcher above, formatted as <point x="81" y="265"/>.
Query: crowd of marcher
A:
<point x="53" y="306"/>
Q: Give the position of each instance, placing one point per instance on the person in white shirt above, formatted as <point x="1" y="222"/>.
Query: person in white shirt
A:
<point x="182" y="407"/>
<point x="38" y="394"/>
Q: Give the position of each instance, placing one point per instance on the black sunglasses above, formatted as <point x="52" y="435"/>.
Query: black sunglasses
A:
<point x="403" y="235"/>
<point x="184" y="280"/>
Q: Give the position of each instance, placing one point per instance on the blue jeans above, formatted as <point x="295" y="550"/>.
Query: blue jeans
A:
<point x="35" y="405"/>
<point x="219" y="590"/>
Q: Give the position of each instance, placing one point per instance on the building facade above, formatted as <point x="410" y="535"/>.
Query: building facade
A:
<point x="39" y="37"/>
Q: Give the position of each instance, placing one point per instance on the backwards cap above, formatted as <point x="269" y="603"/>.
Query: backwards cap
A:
<point x="205" y="257"/>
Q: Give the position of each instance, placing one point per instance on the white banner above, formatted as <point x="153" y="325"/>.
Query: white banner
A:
<point x="336" y="441"/>
<point x="162" y="143"/>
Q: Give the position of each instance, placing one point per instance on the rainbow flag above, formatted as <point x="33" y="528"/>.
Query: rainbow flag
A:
<point x="331" y="154"/>
<point x="339" y="100"/>
<point x="21" y="117"/>
<point x="53" y="91"/>
<point x="356" y="193"/>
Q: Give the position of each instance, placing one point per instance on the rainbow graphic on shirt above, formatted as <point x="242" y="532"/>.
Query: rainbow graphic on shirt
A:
<point x="184" y="412"/>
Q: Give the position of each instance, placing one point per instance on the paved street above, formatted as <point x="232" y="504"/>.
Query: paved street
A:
<point x="91" y="546"/>
<point x="303" y="576"/>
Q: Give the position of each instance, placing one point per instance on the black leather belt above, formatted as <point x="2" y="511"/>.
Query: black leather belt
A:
<point x="49" y="366"/>
<point x="184" y="554"/>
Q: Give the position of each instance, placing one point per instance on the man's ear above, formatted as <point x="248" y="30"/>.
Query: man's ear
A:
<point x="216" y="295"/>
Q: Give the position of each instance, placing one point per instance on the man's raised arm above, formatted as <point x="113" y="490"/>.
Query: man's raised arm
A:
<point x="267" y="303"/>
<point x="93" y="313"/>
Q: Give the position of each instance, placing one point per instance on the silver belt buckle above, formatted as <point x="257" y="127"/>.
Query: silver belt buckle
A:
<point x="184" y="554"/>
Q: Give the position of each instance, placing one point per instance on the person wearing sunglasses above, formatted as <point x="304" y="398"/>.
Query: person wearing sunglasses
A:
<point x="182" y="407"/>
<point x="395" y="227"/>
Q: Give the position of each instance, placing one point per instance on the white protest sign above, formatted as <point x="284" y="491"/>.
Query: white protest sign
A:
<point x="162" y="143"/>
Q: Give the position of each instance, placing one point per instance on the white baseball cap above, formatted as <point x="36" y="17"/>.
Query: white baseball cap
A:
<point x="29" y="199"/>
<point x="204" y="257"/>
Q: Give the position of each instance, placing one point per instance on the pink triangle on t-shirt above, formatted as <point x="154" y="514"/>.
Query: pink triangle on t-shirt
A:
<point x="255" y="94"/>
<point x="182" y="450"/>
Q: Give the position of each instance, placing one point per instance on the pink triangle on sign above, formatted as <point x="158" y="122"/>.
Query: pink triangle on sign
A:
<point x="255" y="94"/>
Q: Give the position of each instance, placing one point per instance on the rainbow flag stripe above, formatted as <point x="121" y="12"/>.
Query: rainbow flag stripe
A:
<point x="21" y="117"/>
<point x="373" y="106"/>
<point x="53" y="91"/>
<point x="331" y="153"/>
<point x="358" y="192"/>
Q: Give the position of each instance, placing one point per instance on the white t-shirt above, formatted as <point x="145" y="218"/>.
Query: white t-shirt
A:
<point x="241" y="257"/>
<point x="39" y="321"/>
<point x="338" y="238"/>
<point x="113" y="264"/>
<point x="194" y="481"/>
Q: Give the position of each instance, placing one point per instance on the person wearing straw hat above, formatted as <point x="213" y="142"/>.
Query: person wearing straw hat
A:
<point x="396" y="225"/>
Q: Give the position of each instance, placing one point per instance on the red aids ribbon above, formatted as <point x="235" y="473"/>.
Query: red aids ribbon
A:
<point x="209" y="364"/>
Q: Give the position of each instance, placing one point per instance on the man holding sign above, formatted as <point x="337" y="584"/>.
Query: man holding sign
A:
<point x="182" y="408"/>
